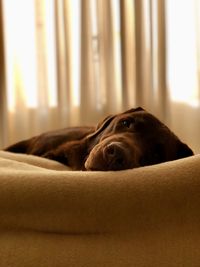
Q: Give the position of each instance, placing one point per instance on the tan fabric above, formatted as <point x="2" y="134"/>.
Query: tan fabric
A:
<point x="51" y="216"/>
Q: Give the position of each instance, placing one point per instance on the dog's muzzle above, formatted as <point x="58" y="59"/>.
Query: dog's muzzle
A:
<point x="112" y="155"/>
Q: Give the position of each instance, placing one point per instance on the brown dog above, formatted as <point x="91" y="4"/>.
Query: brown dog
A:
<point x="130" y="139"/>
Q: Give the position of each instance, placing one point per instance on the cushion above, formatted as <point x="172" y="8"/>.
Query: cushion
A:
<point x="52" y="216"/>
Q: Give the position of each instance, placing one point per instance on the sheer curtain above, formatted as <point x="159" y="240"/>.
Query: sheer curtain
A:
<point x="66" y="63"/>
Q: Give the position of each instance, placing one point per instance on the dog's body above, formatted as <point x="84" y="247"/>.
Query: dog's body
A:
<point x="127" y="140"/>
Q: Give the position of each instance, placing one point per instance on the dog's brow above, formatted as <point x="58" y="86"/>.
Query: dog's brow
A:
<point x="125" y="117"/>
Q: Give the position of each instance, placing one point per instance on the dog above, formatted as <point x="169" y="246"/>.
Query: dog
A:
<point x="131" y="139"/>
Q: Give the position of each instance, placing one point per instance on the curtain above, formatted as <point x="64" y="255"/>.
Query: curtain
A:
<point x="66" y="63"/>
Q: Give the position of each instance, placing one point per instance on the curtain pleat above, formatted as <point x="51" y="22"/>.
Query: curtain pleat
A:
<point x="143" y="39"/>
<point x="3" y="106"/>
<point x="87" y="85"/>
<point x="62" y="24"/>
<point x="128" y="53"/>
<point x="46" y="74"/>
<point x="110" y="65"/>
<point x="162" y="97"/>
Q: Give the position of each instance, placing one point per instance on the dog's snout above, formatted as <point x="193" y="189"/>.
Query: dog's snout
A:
<point x="111" y="149"/>
<point x="114" y="153"/>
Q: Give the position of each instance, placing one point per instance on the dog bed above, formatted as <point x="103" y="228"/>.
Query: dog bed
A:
<point x="52" y="216"/>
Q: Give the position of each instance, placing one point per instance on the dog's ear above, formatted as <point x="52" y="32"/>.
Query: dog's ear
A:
<point x="183" y="151"/>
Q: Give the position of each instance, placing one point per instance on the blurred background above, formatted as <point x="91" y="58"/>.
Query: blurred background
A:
<point x="72" y="62"/>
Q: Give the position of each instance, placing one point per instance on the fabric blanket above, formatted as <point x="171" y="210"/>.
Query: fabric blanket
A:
<point x="51" y="216"/>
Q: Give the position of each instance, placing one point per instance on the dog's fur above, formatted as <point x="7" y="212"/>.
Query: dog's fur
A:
<point x="127" y="140"/>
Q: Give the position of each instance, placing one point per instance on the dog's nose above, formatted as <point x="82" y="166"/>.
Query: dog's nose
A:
<point x="114" y="154"/>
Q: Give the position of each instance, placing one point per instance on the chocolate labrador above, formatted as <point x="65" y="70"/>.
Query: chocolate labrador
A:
<point x="127" y="140"/>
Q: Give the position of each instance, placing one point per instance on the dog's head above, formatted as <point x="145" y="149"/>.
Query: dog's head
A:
<point x="132" y="139"/>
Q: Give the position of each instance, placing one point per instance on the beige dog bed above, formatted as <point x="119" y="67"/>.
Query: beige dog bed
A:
<point x="52" y="217"/>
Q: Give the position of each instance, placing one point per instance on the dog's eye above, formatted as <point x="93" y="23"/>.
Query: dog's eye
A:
<point x="127" y="123"/>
